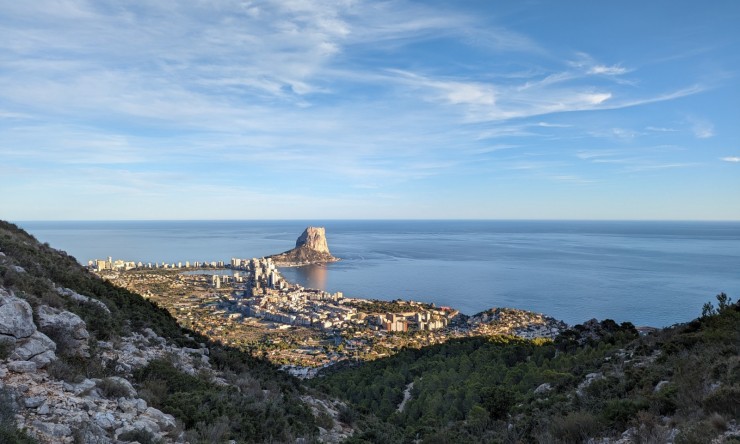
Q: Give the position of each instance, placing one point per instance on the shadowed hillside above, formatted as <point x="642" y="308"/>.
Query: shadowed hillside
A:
<point x="598" y="382"/>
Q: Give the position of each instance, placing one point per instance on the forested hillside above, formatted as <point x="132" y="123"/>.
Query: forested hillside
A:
<point x="597" y="380"/>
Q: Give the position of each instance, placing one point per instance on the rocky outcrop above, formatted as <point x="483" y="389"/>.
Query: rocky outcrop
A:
<point x="26" y="344"/>
<point x="69" y="330"/>
<point x="88" y="410"/>
<point x="82" y="298"/>
<point x="313" y="238"/>
<point x="334" y="431"/>
<point x="16" y="317"/>
<point x="310" y="248"/>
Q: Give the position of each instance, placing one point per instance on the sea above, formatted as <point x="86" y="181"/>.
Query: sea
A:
<point x="648" y="273"/>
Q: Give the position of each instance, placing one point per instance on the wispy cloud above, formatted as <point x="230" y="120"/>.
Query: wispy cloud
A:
<point x="660" y="129"/>
<point x="702" y="129"/>
<point x="660" y="166"/>
<point x="732" y="159"/>
<point x="614" y="70"/>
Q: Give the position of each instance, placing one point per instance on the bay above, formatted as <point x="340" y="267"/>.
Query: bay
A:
<point x="649" y="273"/>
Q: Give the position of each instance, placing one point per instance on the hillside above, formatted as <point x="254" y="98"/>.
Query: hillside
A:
<point x="84" y="361"/>
<point x="598" y="382"/>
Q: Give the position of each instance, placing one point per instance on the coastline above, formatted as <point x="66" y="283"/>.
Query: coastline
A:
<point x="625" y="270"/>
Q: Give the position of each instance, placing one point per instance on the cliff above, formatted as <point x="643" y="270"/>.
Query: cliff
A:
<point x="310" y="248"/>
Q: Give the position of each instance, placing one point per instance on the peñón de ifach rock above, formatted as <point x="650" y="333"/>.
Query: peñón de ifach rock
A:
<point x="310" y="248"/>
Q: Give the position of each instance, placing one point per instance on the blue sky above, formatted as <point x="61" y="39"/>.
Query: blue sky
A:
<point x="300" y="109"/>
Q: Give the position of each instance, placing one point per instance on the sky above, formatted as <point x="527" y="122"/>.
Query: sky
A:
<point x="353" y="109"/>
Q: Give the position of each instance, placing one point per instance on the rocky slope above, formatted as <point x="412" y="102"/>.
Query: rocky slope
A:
<point x="310" y="248"/>
<point x="83" y="361"/>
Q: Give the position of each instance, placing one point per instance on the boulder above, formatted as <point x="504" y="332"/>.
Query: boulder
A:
<point x="55" y="318"/>
<point x="91" y="433"/>
<point x="69" y="330"/>
<point x="144" y="423"/>
<point x="164" y="421"/>
<point x="105" y="420"/>
<point x="543" y="388"/>
<point x="659" y="386"/>
<point x="34" y="345"/>
<point x="16" y="317"/>
<point x="590" y="378"/>
<point x="120" y="382"/>
<point x="52" y="429"/>
<point x="34" y="401"/>
<point x="7" y="339"/>
<point x="85" y="385"/>
<point x="22" y="366"/>
<point x="44" y="359"/>
<point x="43" y="410"/>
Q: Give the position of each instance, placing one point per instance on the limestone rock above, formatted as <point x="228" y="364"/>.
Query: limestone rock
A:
<point x="52" y="429"/>
<point x="313" y="238"/>
<point x="43" y="409"/>
<point x="91" y="433"/>
<point x="67" y="327"/>
<point x="82" y="298"/>
<point x="36" y="344"/>
<point x="105" y="420"/>
<point x="543" y="388"/>
<point x="83" y="386"/>
<point x="16" y="317"/>
<point x="22" y="366"/>
<point x="44" y="359"/>
<point x="310" y="248"/>
<point x="164" y="421"/>
<point x="34" y="401"/>
<point x="53" y="317"/>
<point x="10" y="340"/>
<point x="122" y="383"/>
<point x="590" y="378"/>
<point x="659" y="386"/>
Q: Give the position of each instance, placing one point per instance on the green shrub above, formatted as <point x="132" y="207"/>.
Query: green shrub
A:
<point x="724" y="400"/>
<point x="700" y="433"/>
<point x="324" y="419"/>
<point x="8" y="431"/>
<point x="139" y="435"/>
<point x="64" y="371"/>
<point x="575" y="427"/>
<point x="620" y="411"/>
<point x="112" y="389"/>
<point x="6" y="348"/>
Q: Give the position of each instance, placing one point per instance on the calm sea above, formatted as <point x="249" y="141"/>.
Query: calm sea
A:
<point x="649" y="273"/>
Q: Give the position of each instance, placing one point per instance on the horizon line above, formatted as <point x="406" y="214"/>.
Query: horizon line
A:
<point x="377" y="220"/>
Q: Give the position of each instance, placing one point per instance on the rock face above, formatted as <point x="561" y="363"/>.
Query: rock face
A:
<point x="92" y="410"/>
<point x="27" y="344"/>
<point x="67" y="327"/>
<point x="313" y="238"/>
<point x="310" y="248"/>
<point x="16" y="316"/>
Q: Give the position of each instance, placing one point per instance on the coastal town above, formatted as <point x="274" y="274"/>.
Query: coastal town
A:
<point x="247" y="303"/>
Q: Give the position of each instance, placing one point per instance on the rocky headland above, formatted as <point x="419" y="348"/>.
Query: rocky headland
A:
<point x="310" y="248"/>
